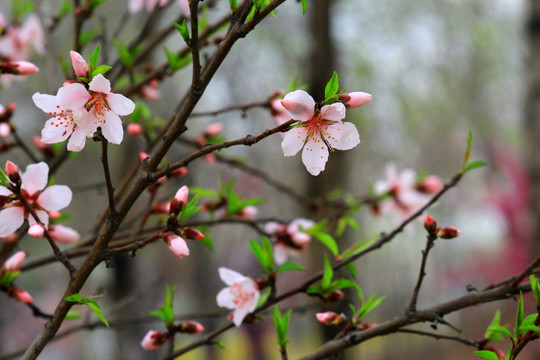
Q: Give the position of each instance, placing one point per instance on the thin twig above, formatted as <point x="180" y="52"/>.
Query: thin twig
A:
<point x="460" y="339"/>
<point x="105" y="162"/>
<point x="243" y="108"/>
<point x="429" y="244"/>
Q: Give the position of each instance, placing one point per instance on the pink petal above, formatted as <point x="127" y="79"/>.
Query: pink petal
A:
<point x="11" y="219"/>
<point x="15" y="261"/>
<point x="63" y="234"/>
<point x="4" y="191"/>
<point x="35" y="177"/>
<point x="239" y="315"/>
<point x="230" y="277"/>
<point x="77" y="140"/>
<point x="42" y="215"/>
<point x="335" y="112"/>
<point x="100" y="84"/>
<point x="47" y="103"/>
<point x="55" y="197"/>
<point x="112" y="128"/>
<point x="225" y="299"/>
<point x="315" y="155"/>
<point x="293" y="140"/>
<point x="36" y="231"/>
<point x="341" y="135"/>
<point x="51" y="134"/>
<point x="120" y="104"/>
<point x="80" y="66"/>
<point x="299" y="104"/>
<point x="72" y="96"/>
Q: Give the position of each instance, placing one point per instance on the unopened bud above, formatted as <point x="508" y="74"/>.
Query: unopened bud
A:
<point x="330" y="318"/>
<point x="448" y="232"/>
<point x="193" y="234"/>
<point x="15" y="261"/>
<point x="12" y="172"/>
<point x="368" y="326"/>
<point x="191" y="327"/>
<point x="430" y="225"/>
<point x="179" y="200"/>
<point x="430" y="185"/>
<point x="213" y="129"/>
<point x="153" y="340"/>
<point x="334" y="296"/>
<point x="25" y="68"/>
<point x="36" y="231"/>
<point x="134" y="129"/>
<point x="19" y="294"/>
<point x="355" y="99"/>
<point x="143" y="156"/>
<point x="182" y="171"/>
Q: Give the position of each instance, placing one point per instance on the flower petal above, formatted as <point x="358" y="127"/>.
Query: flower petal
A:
<point x="53" y="133"/>
<point x="100" y="84"/>
<point x="341" y="135"/>
<point x="72" y="96"/>
<point x="77" y="140"/>
<point x="4" y="191"/>
<point x="299" y="104"/>
<point x="42" y="215"/>
<point x="225" y="299"/>
<point x="239" y="315"/>
<point x="47" y="103"/>
<point x="293" y="140"/>
<point x="229" y="276"/>
<point x="55" y="197"/>
<point x="35" y="177"/>
<point x="315" y="155"/>
<point x="112" y="128"/>
<point x="120" y="104"/>
<point x="63" y="234"/>
<point x="11" y="219"/>
<point x="335" y="112"/>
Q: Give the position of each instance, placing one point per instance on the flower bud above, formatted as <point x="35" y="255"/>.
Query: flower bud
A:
<point x="63" y="234"/>
<point x="79" y="64"/>
<point x="134" y="129"/>
<point x="153" y="340"/>
<point x="213" y="129"/>
<point x="143" y="156"/>
<point x="448" y="232"/>
<point x="191" y="327"/>
<point x="150" y="93"/>
<point x="12" y="172"/>
<point x="19" y="294"/>
<point x="36" y="231"/>
<point x="430" y="225"/>
<point x="355" y="99"/>
<point x="334" y="296"/>
<point x="430" y="185"/>
<point x="368" y="326"/>
<point x="5" y="130"/>
<point x="25" y="68"/>
<point x="248" y="213"/>
<point x="330" y="318"/>
<point x="15" y="261"/>
<point x="193" y="234"/>
<point x="176" y="173"/>
<point x="179" y="200"/>
<point x="209" y="158"/>
<point x="176" y="244"/>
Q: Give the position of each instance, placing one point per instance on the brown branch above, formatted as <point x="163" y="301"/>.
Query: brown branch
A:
<point x="460" y="339"/>
<point x="106" y="171"/>
<point x="194" y="44"/>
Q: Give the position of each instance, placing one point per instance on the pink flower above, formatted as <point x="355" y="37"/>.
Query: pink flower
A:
<point x="279" y="113"/>
<point x="80" y="66"/>
<point x="153" y="340"/>
<point x="355" y="99"/>
<point x="329" y="318"/>
<point x="16" y="41"/>
<point x="63" y="234"/>
<point x="34" y="181"/>
<point x="430" y="185"/>
<point x="105" y="108"/>
<point x="318" y="130"/>
<point x="242" y="294"/>
<point x="14" y="262"/>
<point x="69" y="117"/>
<point x="289" y="240"/>
<point x="176" y="244"/>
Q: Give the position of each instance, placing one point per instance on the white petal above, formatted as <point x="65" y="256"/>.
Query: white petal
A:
<point x="252" y="303"/>
<point x="239" y="315"/>
<point x="100" y="84"/>
<point x="55" y="197"/>
<point x="299" y="104"/>
<point x="293" y="140"/>
<point x="73" y="96"/>
<point x="42" y="215"/>
<point x="120" y="104"/>
<point x="229" y="276"/>
<point x="47" y="103"/>
<point x="11" y="219"/>
<point x="341" y="135"/>
<point x="4" y="191"/>
<point x="52" y="133"/>
<point x="77" y="140"/>
<point x="225" y="299"/>
<point x="335" y="112"/>
<point x="315" y="155"/>
<point x="112" y="128"/>
<point x="280" y="254"/>
<point x="407" y="178"/>
<point x="35" y="177"/>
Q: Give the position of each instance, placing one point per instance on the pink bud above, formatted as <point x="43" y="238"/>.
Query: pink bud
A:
<point x="134" y="129"/>
<point x="329" y="318"/>
<point x="430" y="225"/>
<point x="368" y="326"/>
<point x="162" y="208"/>
<point x="430" y="185"/>
<point x="448" y="232"/>
<point x="54" y="214"/>
<point x="192" y="327"/>
<point x="11" y="168"/>
<point x="193" y="234"/>
<point x="20" y="295"/>
<point x="209" y="158"/>
<point x="25" y="67"/>
<point x="300" y="238"/>
<point x="15" y="261"/>
<point x="5" y="130"/>
<point x="143" y="156"/>
<point x="153" y="340"/>
<point x="179" y="200"/>
<point x="182" y="171"/>
<point x="63" y="234"/>
<point x="176" y="244"/>
<point x="355" y="99"/>
<point x="248" y="213"/>
<point x="334" y="296"/>
<point x="149" y="93"/>
<point x="36" y="231"/>
<point x="79" y="64"/>
<point x="213" y="129"/>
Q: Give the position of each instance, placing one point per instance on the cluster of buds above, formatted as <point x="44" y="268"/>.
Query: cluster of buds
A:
<point x="448" y="232"/>
<point x="211" y="131"/>
<point x="8" y="273"/>
<point x="153" y="339"/>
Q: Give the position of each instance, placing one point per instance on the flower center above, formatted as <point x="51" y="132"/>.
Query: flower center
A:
<point x="62" y="118"/>
<point x="98" y="107"/>
<point x="241" y="297"/>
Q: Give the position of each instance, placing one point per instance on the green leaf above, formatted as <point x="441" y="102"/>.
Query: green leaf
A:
<point x="519" y="315"/>
<point x="86" y="37"/>
<point x="332" y="86"/>
<point x="304" y="6"/>
<point x="161" y="316"/>
<point x="325" y="238"/>
<point x="314" y="290"/>
<point x="358" y="248"/>
<point x="496" y="321"/>
<point x="467" y="152"/>
<point x="73" y="315"/>
<point x="258" y="252"/>
<point x="183" y="30"/>
<point x="207" y="240"/>
<point x="94" y="306"/>
<point x="94" y="57"/>
<point x="371" y="304"/>
<point x="66" y="7"/>
<point x="4" y="179"/>
<point x="474" y="165"/>
<point x="352" y="269"/>
<point x="524" y="328"/>
<point x="288" y="266"/>
<point x="486" y="354"/>
<point x="500" y="330"/>
<point x="264" y="296"/>
<point x="74" y="298"/>
<point x="233" y="4"/>
<point x="190" y="209"/>
<point x="281" y="323"/>
<point x="268" y="253"/>
<point x="328" y="273"/>
<point x="169" y="295"/>
<point x="535" y="286"/>
<point x="202" y="192"/>
<point x="221" y="345"/>
<point x="101" y="69"/>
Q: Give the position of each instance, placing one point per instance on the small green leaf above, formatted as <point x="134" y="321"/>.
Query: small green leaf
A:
<point x="325" y="238"/>
<point x="500" y="330"/>
<point x="496" y="321"/>
<point x="94" y="57"/>
<point x="202" y="192"/>
<point x="474" y="165"/>
<point x="161" y="316"/>
<point x="94" y="306"/>
<point x="190" y="209"/>
<point x="73" y="315"/>
<point x="371" y="304"/>
<point x="233" y="4"/>
<point x="304" y="6"/>
<point x="101" y="69"/>
<point x="314" y="290"/>
<point x="486" y="354"/>
<point x="519" y="315"/>
<point x="535" y="286"/>
<point x="332" y="86"/>
<point x="467" y="152"/>
<point x="220" y="344"/>
<point x="4" y="179"/>
<point x="328" y="273"/>
<point x="523" y="329"/>
<point x="352" y="269"/>
<point x="86" y="37"/>
<point x="258" y="252"/>
<point x="74" y="298"/>
<point x="264" y="296"/>
<point x="268" y="252"/>
<point x="288" y="266"/>
<point x="207" y="240"/>
<point x="183" y="30"/>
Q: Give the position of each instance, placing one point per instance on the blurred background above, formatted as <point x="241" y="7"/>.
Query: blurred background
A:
<point x="436" y="70"/>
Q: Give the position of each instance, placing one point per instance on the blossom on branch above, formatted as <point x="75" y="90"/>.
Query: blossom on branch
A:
<point x="40" y="199"/>
<point x="289" y="240"/>
<point x="242" y="294"/>
<point x="153" y="340"/>
<point x="319" y="130"/>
